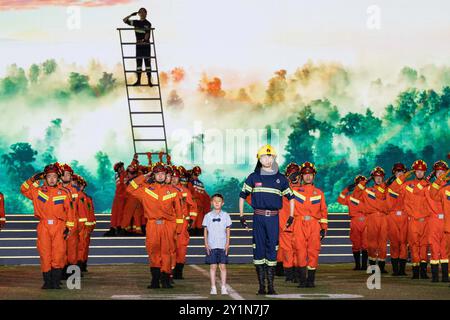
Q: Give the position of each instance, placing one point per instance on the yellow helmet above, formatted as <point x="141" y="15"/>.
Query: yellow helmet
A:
<point x="267" y="149"/>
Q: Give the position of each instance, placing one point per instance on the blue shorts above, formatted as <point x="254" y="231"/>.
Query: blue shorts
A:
<point x="217" y="256"/>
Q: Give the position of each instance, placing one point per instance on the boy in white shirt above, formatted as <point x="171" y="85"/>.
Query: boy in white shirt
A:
<point x="217" y="225"/>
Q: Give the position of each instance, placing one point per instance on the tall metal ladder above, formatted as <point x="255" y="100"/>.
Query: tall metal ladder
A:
<point x="144" y="102"/>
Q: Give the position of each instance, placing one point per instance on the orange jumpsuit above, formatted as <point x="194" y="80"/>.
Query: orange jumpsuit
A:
<point x="131" y="211"/>
<point x="440" y="191"/>
<point x="54" y="208"/>
<point x="358" y="226"/>
<point x="418" y="216"/>
<point x="201" y="199"/>
<point x="119" y="200"/>
<point x="72" y="239"/>
<point x="188" y="211"/>
<point x="397" y="225"/>
<point x="87" y="222"/>
<point x="437" y="240"/>
<point x="375" y="209"/>
<point x="310" y="216"/>
<point x="160" y="204"/>
<point x="2" y="211"/>
<point x="286" y="252"/>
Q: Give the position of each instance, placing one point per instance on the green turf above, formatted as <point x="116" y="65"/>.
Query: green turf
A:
<point x="104" y="282"/>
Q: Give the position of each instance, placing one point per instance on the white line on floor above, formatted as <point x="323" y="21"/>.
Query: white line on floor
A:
<point x="232" y="293"/>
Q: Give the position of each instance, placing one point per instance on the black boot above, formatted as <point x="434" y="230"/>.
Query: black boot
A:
<point x="395" y="270"/>
<point x="144" y="229"/>
<point x="444" y="268"/>
<point x="381" y="265"/>
<point x="302" y="277"/>
<point x="110" y="233"/>
<point x="423" y="271"/>
<point x="56" y="278"/>
<point x="402" y="267"/>
<point x="295" y="274"/>
<point x="149" y="77"/>
<point x="84" y="267"/>
<point x="364" y="258"/>
<point x="47" y="280"/>
<point x="80" y="265"/>
<point x="311" y="278"/>
<point x="279" y="271"/>
<point x="270" y="280"/>
<point x="64" y="275"/>
<point x="138" y="81"/>
<point x="289" y="273"/>
<point x="435" y="272"/>
<point x="156" y="274"/>
<point x="357" y="257"/>
<point x="176" y="271"/>
<point x="261" y="272"/>
<point x="415" y="270"/>
<point x="165" y="281"/>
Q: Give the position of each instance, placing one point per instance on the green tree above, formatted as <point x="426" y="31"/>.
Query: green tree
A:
<point x="78" y="83"/>
<point x="106" y="83"/>
<point x="49" y="66"/>
<point x="19" y="161"/>
<point x="34" y="73"/>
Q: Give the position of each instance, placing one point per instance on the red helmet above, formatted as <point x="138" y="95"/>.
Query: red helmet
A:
<point x="118" y="165"/>
<point x="196" y="170"/>
<point x="419" y="165"/>
<point x="291" y="168"/>
<point x="359" y="178"/>
<point x="398" y="167"/>
<point x="80" y="180"/>
<point x="308" y="167"/>
<point x="377" y="172"/>
<point x="65" y="167"/>
<point x="132" y="168"/>
<point x="183" y="171"/>
<point x="52" y="168"/>
<point x="159" y="167"/>
<point x="176" y="172"/>
<point x="169" y="169"/>
<point x="440" y="165"/>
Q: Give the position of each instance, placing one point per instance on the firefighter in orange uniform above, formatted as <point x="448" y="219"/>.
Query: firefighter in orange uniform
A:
<point x="201" y="198"/>
<point x="184" y="221"/>
<point x="415" y="206"/>
<point x="119" y="199"/>
<point x="440" y="191"/>
<point x="374" y="204"/>
<point x="397" y="225"/>
<point x="54" y="209"/>
<point x="437" y="240"/>
<point x="131" y="203"/>
<point x="286" y="252"/>
<point x="160" y="204"/>
<point x="2" y="211"/>
<point x="310" y="224"/>
<point x="358" y="226"/>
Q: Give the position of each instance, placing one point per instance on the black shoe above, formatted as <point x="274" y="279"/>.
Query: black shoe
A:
<point x="144" y="230"/>
<point x="56" y="275"/>
<point x="156" y="275"/>
<point x="279" y="271"/>
<point x="64" y="275"/>
<point x="121" y="232"/>
<point x="84" y="267"/>
<point x="395" y="270"/>
<point x="270" y="279"/>
<point x="402" y="267"/>
<point x="311" y="279"/>
<point x="181" y="271"/>
<point x="138" y="81"/>
<point x="444" y="268"/>
<point x="47" y="280"/>
<point x="415" y="270"/>
<point x="423" y="271"/>
<point x="302" y="277"/>
<point x="110" y="233"/>
<point x="149" y="78"/>
<point x="165" y="281"/>
<point x="357" y="257"/>
<point x="261" y="273"/>
<point x="364" y="258"/>
<point x="289" y="274"/>
<point x="295" y="274"/>
<point x="80" y="265"/>
<point x="382" y="265"/>
<point x="434" y="272"/>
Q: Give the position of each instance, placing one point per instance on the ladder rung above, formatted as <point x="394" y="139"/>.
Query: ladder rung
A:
<point x="131" y="57"/>
<point x="129" y="43"/>
<point x="146" y="112"/>
<point x="149" y="139"/>
<point x="144" y="99"/>
<point x="135" y="71"/>
<point x="148" y="126"/>
<point x="153" y="153"/>
<point x="128" y="28"/>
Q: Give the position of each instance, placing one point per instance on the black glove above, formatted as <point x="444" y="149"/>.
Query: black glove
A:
<point x="390" y="180"/>
<point x="66" y="233"/>
<point x="243" y="222"/>
<point x="351" y="187"/>
<point x="190" y="223"/>
<point x="38" y="176"/>
<point x="322" y="234"/>
<point x="290" y="220"/>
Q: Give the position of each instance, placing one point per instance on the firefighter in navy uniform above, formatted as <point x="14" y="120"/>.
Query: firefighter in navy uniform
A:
<point x="142" y="30"/>
<point x="267" y="186"/>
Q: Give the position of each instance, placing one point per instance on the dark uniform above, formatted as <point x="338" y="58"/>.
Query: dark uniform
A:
<point x="141" y="29"/>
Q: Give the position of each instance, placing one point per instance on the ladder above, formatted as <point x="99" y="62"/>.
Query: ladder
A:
<point x="144" y="102"/>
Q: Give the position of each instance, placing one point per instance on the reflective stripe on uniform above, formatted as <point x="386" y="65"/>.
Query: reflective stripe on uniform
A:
<point x="134" y="184"/>
<point x="180" y="220"/>
<point x="246" y="187"/>
<point x="82" y="220"/>
<point x="271" y="263"/>
<point x="267" y="190"/>
<point x="150" y="192"/>
<point x="399" y="181"/>
<point x="324" y="221"/>
<point x="26" y="185"/>
<point x="194" y="214"/>
<point x="70" y="224"/>
<point x="169" y="196"/>
<point x="436" y="186"/>
<point x="342" y="196"/>
<point x="287" y="191"/>
<point x="262" y="261"/>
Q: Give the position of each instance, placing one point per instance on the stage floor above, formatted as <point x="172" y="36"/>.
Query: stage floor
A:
<point x="333" y="281"/>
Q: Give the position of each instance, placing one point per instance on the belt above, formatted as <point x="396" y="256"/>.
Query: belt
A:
<point x="267" y="213"/>
<point x="307" y="218"/>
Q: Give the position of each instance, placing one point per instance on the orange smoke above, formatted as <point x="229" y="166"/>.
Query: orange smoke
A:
<point x="163" y="78"/>
<point x="177" y="74"/>
<point x="212" y="88"/>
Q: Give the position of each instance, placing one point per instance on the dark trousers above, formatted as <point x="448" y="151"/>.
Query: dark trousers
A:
<point x="265" y="239"/>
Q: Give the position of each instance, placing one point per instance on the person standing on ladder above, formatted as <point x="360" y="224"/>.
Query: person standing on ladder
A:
<point x="142" y="28"/>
